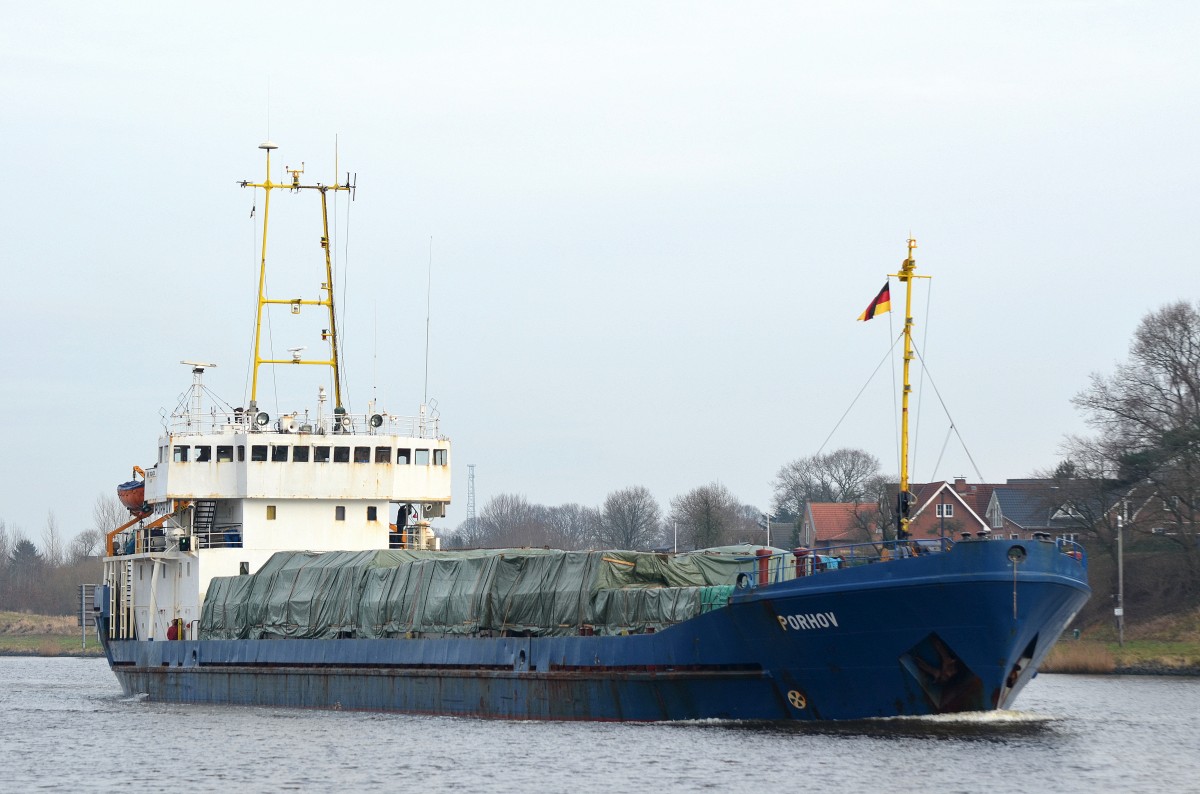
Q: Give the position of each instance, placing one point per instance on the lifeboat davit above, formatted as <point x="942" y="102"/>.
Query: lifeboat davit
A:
<point x="133" y="495"/>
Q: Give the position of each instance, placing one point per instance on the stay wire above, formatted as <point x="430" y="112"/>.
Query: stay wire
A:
<point x="870" y="378"/>
<point x="946" y="410"/>
<point x="895" y="407"/>
<point x="921" y="388"/>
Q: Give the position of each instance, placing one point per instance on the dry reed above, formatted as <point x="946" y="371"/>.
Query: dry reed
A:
<point x="1078" y="657"/>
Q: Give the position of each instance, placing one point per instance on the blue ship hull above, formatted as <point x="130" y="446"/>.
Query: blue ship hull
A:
<point x="957" y="631"/>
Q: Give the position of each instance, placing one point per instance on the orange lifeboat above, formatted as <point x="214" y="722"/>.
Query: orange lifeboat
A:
<point x="133" y="495"/>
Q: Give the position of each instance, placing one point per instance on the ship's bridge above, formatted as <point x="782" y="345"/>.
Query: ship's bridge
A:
<point x="346" y="456"/>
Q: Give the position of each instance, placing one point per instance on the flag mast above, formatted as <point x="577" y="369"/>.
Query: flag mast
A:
<point x="904" y="500"/>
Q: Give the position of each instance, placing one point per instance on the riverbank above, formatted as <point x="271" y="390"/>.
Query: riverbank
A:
<point x="1168" y="645"/>
<point x="1165" y="645"/>
<point x="23" y="634"/>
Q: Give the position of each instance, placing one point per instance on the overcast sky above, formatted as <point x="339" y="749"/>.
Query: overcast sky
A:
<point x="653" y="226"/>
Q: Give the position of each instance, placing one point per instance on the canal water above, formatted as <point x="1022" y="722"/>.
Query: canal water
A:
<point x="64" y="725"/>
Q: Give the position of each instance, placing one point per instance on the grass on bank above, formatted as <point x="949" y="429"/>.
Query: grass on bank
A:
<point x="22" y="634"/>
<point x="1167" y="641"/>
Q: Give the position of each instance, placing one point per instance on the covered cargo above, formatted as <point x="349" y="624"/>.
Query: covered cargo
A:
<point x="534" y="592"/>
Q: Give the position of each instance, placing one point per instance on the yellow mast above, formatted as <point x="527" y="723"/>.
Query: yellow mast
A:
<point x="904" y="498"/>
<point x="330" y="333"/>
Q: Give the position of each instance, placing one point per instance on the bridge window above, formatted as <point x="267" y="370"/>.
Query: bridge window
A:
<point x="279" y="453"/>
<point x="362" y="454"/>
<point x="241" y="453"/>
<point x="439" y="457"/>
<point x="162" y="454"/>
<point x="372" y="513"/>
<point x="270" y="512"/>
<point x="181" y="454"/>
<point x="383" y="454"/>
<point x="403" y="456"/>
<point x="300" y="454"/>
<point x="258" y="452"/>
<point x="225" y="454"/>
<point x="421" y="458"/>
<point x="320" y="454"/>
<point x="203" y="454"/>
<point x="341" y="454"/>
<point x="339" y="512"/>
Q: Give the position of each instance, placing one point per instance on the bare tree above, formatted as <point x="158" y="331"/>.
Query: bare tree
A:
<point x="844" y="475"/>
<point x="511" y="520"/>
<point x="52" y="544"/>
<point x="5" y="545"/>
<point x="86" y="544"/>
<point x="630" y="518"/>
<point x="108" y="513"/>
<point x="573" y="526"/>
<point x="1148" y="417"/>
<point x="706" y="516"/>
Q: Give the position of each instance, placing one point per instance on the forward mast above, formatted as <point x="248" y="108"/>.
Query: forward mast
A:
<point x="905" y="498"/>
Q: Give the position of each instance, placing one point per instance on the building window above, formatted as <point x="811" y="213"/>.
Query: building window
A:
<point x="362" y="454"/>
<point x="1071" y="536"/>
<point x="300" y="454"/>
<point x="339" y="512"/>
<point x="270" y="512"/>
<point x="279" y="453"/>
<point x="180" y="454"/>
<point x="439" y="457"/>
<point x="225" y="454"/>
<point x="341" y="454"/>
<point x="203" y="454"/>
<point x="944" y="511"/>
<point x="258" y="452"/>
<point x="372" y="513"/>
<point x="421" y="458"/>
<point x="403" y="456"/>
<point x="320" y="454"/>
<point x="383" y="454"/>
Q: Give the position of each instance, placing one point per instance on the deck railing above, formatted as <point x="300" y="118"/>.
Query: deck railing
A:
<point x="768" y="568"/>
<point x="214" y="421"/>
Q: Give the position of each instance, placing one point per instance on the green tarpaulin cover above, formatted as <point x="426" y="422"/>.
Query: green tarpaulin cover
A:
<point x="369" y="594"/>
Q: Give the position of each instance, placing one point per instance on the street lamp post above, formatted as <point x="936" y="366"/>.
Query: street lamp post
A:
<point x="1120" y="610"/>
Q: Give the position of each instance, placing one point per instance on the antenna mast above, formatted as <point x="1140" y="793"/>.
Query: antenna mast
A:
<point x="329" y="334"/>
<point x="470" y="497"/>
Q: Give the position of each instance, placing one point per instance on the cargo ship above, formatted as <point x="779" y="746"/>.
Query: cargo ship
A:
<point x="290" y="560"/>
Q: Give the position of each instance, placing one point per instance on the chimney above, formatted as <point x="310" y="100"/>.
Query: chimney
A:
<point x="960" y="484"/>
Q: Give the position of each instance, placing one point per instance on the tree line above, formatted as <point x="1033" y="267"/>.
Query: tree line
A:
<point x="44" y="578"/>
<point x="629" y="518"/>
<point x="706" y="516"/>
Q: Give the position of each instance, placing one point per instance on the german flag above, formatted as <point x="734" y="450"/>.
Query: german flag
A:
<point x="881" y="304"/>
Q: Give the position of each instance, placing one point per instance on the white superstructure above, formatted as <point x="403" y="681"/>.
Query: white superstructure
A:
<point x="229" y="488"/>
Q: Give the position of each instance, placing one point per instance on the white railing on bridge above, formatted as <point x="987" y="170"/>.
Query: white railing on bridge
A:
<point x="212" y="421"/>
